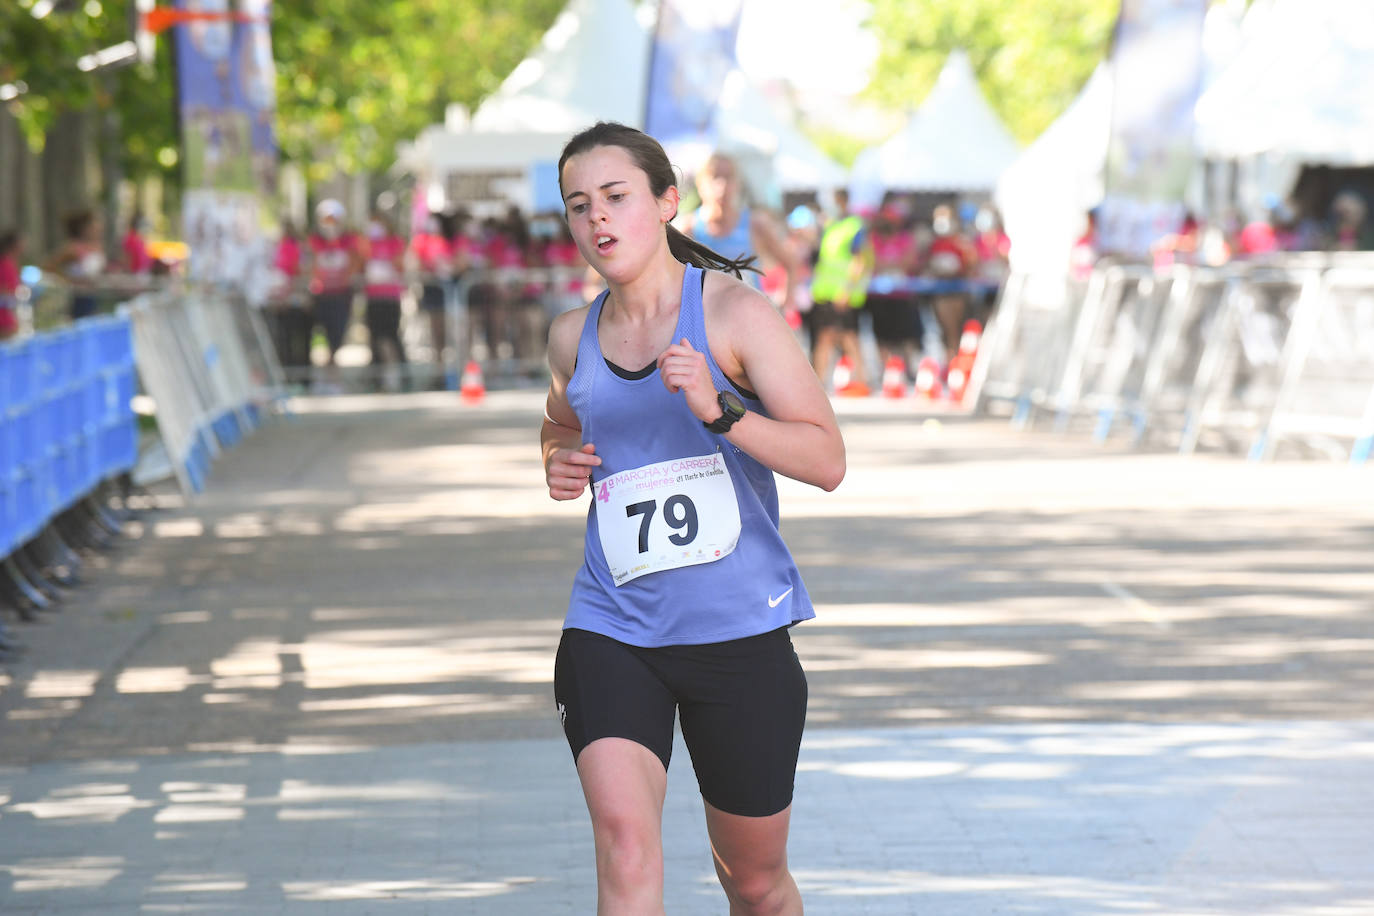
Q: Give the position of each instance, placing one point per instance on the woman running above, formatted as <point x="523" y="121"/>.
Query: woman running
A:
<point x="675" y="396"/>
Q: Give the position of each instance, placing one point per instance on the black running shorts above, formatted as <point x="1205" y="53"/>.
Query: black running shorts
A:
<point x="741" y="704"/>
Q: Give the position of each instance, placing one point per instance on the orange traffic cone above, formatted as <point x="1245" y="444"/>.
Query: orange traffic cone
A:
<point x="970" y="338"/>
<point x="960" y="368"/>
<point x="894" y="378"/>
<point x="843" y="374"/>
<point x="928" y="377"/>
<point x="472" y="387"/>
<point x="844" y="382"/>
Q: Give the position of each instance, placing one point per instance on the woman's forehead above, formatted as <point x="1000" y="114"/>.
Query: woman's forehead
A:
<point x="599" y="165"/>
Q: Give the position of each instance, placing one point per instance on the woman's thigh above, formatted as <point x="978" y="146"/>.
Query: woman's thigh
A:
<point x="742" y="721"/>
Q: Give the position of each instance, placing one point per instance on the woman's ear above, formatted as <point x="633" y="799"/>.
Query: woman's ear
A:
<point x="667" y="205"/>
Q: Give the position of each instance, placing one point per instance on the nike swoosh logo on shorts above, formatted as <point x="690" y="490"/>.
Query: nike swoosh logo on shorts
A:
<point x="774" y="602"/>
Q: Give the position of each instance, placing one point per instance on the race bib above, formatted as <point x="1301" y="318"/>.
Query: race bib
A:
<point x="662" y="516"/>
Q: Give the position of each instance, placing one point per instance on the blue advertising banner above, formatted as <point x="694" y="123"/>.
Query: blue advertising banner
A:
<point x="1157" y="61"/>
<point x="693" y="51"/>
<point x="226" y="85"/>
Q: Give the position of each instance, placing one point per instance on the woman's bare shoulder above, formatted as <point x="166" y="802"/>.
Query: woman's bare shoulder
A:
<point x="564" y="333"/>
<point x="727" y="299"/>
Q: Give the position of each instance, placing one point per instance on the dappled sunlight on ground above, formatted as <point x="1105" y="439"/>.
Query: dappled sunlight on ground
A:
<point x="1045" y="677"/>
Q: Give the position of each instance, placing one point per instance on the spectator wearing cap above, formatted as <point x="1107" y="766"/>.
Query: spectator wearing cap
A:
<point x="335" y="264"/>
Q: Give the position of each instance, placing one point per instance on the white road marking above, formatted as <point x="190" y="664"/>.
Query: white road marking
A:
<point x="1144" y="608"/>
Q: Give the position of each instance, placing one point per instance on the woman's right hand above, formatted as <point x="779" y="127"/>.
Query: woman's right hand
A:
<point x="570" y="470"/>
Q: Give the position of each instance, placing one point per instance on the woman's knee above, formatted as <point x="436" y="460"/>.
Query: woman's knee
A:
<point x="760" y="889"/>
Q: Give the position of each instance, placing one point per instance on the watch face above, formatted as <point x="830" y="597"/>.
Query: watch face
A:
<point x="731" y="404"/>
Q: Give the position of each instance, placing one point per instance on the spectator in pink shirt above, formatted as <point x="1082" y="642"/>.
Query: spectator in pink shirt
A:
<point x="11" y="248"/>
<point x="134" y="246"/>
<point x="432" y="254"/>
<point x="896" y="324"/>
<point x="294" y="323"/>
<point x="384" y="281"/>
<point x="335" y="262"/>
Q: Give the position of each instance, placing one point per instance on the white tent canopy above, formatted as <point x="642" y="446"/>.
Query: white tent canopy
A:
<point x="1301" y="85"/>
<point x="747" y="120"/>
<point x="954" y="142"/>
<point x="570" y="81"/>
<point x="1044" y="195"/>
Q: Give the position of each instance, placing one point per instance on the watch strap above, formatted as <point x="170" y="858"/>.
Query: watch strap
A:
<point x="727" y="418"/>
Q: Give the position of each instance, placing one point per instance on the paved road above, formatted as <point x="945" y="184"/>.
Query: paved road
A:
<point x="1046" y="677"/>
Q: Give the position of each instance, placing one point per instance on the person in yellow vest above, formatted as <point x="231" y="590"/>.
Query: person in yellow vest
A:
<point x="839" y="287"/>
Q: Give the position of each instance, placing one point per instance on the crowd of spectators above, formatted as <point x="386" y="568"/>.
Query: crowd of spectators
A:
<point x="914" y="271"/>
<point x="517" y="272"/>
<point x="922" y="274"/>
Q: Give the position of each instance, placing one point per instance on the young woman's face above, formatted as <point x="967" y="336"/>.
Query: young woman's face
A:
<point x="613" y="215"/>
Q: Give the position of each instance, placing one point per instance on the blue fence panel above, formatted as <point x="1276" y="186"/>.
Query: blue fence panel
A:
<point x="8" y="465"/>
<point x="66" y="421"/>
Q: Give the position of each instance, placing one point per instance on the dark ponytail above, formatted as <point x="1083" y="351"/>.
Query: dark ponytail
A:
<point x="653" y="161"/>
<point x="689" y="251"/>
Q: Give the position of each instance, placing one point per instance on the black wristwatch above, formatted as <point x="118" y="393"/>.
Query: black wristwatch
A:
<point x="731" y="409"/>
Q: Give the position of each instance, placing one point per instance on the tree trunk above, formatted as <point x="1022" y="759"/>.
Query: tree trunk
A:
<point x="21" y="190"/>
<point x="70" y="173"/>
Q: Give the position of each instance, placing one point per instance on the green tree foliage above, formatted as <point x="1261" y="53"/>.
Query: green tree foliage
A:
<point x="1031" y="56"/>
<point x="42" y="54"/>
<point x="354" y="77"/>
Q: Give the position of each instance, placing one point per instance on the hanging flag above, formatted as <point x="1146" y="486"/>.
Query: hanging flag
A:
<point x="693" y="51"/>
<point x="226" y="93"/>
<point x="1157" y="62"/>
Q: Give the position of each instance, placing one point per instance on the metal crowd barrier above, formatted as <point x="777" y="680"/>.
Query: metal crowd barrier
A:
<point x="206" y="362"/>
<point x="1248" y="357"/>
<point x="67" y="428"/>
<point x="500" y="317"/>
<point x="497" y="317"/>
<point x="1026" y="344"/>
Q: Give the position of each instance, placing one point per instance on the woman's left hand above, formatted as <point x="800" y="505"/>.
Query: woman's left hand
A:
<point x="684" y="369"/>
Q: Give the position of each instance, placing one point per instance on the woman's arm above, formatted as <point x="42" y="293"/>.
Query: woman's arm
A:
<point x="754" y="346"/>
<point x="568" y="461"/>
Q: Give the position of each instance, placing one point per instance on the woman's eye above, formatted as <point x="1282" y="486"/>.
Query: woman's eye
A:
<point x="577" y="208"/>
<point x="616" y="196"/>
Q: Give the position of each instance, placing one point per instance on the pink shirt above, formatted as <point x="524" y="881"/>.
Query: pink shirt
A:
<point x="433" y="252"/>
<point x="565" y="254"/>
<point x="892" y="252"/>
<point x="136" y="256"/>
<point x="382" y="270"/>
<point x="9" y="277"/>
<point x="288" y="259"/>
<point x="948" y="257"/>
<point x="332" y="271"/>
<point x="992" y="246"/>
